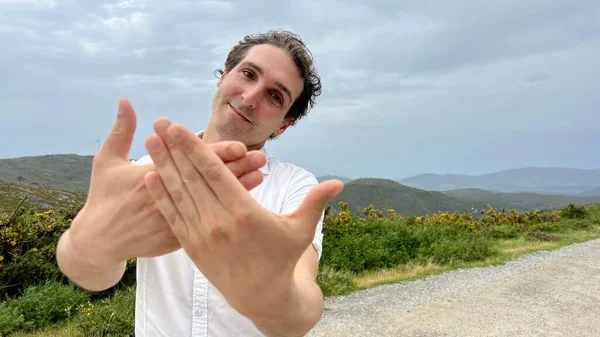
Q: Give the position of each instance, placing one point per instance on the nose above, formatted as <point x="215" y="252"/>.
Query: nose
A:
<point x="251" y="97"/>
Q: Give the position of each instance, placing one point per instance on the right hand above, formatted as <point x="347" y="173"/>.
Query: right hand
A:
<point x="120" y="220"/>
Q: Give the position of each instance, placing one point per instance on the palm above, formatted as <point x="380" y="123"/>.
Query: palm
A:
<point x="241" y="247"/>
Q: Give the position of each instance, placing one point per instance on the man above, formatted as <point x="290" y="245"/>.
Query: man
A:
<point x="227" y="239"/>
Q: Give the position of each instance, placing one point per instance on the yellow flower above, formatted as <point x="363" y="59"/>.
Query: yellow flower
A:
<point x="1" y="258"/>
<point x="13" y="242"/>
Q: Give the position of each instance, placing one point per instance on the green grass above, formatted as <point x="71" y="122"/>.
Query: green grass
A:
<point x="508" y="249"/>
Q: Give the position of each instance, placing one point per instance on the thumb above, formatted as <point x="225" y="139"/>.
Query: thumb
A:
<point x="310" y="211"/>
<point x="118" y="142"/>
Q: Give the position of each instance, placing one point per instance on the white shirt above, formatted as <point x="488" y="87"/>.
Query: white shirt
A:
<point x="173" y="298"/>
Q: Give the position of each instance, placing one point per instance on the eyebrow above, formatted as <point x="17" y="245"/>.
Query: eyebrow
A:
<point x="277" y="84"/>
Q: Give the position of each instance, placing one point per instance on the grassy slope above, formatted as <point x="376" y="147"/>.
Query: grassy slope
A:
<point x="521" y="201"/>
<point x="387" y="194"/>
<point x="39" y="196"/>
<point x="66" y="172"/>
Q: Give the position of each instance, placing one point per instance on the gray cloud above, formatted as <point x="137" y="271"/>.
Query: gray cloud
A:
<point x="429" y="86"/>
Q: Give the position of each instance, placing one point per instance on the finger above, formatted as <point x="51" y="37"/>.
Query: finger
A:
<point x="252" y="179"/>
<point x="182" y="173"/>
<point x="118" y="142"/>
<point x="172" y="180"/>
<point x="252" y="161"/>
<point x="311" y="209"/>
<point x="165" y="204"/>
<point x="226" y="150"/>
<point x="225" y="186"/>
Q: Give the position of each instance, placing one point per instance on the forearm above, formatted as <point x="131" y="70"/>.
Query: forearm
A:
<point x="297" y="315"/>
<point x="81" y="273"/>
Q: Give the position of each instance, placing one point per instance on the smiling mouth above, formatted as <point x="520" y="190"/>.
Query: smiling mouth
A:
<point x="237" y="112"/>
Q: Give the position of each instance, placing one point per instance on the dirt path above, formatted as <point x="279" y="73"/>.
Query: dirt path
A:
<point x="543" y="294"/>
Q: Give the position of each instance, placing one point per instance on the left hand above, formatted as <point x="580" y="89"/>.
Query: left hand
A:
<point x="246" y="251"/>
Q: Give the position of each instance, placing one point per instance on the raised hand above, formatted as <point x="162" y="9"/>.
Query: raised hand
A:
<point x="246" y="251"/>
<point x="120" y="220"/>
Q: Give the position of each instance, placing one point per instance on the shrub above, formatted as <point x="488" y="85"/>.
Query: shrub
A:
<point x="364" y="244"/>
<point x="110" y="316"/>
<point x="28" y="247"/>
<point x="11" y="320"/>
<point x="505" y="232"/>
<point x="370" y="244"/>
<point x="28" y="242"/>
<point x="448" y="245"/>
<point x="594" y="214"/>
<point x="335" y="282"/>
<point x="40" y="306"/>
<point x="574" y="212"/>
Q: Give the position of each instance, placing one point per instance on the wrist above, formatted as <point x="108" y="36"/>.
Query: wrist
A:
<point x="291" y="312"/>
<point x="88" y="247"/>
<point x="79" y="270"/>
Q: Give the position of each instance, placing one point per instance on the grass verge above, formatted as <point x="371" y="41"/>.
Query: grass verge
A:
<point x="509" y="249"/>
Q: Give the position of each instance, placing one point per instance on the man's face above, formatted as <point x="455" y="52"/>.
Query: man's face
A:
<point x="253" y="98"/>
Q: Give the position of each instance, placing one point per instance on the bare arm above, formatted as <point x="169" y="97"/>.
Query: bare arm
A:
<point x="80" y="272"/>
<point x="302" y="312"/>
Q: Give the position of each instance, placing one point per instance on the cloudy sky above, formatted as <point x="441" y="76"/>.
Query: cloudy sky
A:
<point x="409" y="87"/>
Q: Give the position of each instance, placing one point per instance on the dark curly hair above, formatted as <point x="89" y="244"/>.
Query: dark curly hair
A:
<point x="296" y="48"/>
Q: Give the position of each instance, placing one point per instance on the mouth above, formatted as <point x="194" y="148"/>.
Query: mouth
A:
<point x="237" y="112"/>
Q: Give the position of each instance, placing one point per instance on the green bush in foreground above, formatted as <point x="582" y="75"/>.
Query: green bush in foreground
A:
<point x="110" y="316"/>
<point x="40" y="306"/>
<point x="335" y="282"/>
<point x="369" y="244"/>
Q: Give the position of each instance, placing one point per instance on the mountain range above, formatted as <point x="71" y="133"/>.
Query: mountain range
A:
<point x="66" y="177"/>
<point x="547" y="180"/>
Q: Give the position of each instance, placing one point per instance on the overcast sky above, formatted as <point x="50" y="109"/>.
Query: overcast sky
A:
<point x="409" y="87"/>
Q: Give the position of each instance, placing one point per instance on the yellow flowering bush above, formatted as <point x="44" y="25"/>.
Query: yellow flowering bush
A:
<point x="370" y="240"/>
<point x="28" y="240"/>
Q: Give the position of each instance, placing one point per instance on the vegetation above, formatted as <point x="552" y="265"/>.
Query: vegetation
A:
<point x="523" y="201"/>
<point x="361" y="249"/>
<point x="38" y="196"/>
<point x="61" y="171"/>
<point x="387" y="194"/>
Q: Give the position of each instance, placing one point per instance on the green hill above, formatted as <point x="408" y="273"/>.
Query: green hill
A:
<point x="61" y="171"/>
<point x="43" y="197"/>
<point x="521" y="201"/>
<point x="387" y="194"/>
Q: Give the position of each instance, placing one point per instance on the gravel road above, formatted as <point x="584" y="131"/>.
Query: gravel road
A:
<point x="541" y="294"/>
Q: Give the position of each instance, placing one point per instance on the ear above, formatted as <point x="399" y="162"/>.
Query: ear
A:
<point x="221" y="78"/>
<point x="286" y="124"/>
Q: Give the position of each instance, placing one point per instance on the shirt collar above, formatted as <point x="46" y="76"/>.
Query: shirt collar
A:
<point x="264" y="169"/>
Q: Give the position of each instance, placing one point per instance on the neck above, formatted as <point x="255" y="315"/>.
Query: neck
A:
<point x="212" y="136"/>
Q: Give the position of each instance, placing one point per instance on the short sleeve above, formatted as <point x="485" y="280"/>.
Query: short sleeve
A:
<point x="143" y="160"/>
<point x="300" y="184"/>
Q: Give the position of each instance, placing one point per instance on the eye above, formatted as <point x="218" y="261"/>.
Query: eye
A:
<point x="248" y="74"/>
<point x="277" y="98"/>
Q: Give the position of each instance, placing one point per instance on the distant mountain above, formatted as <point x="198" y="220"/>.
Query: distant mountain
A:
<point x="61" y="171"/>
<point x="553" y="180"/>
<point x="329" y="177"/>
<point x="387" y="194"/>
<point x="592" y="192"/>
<point x="525" y="201"/>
